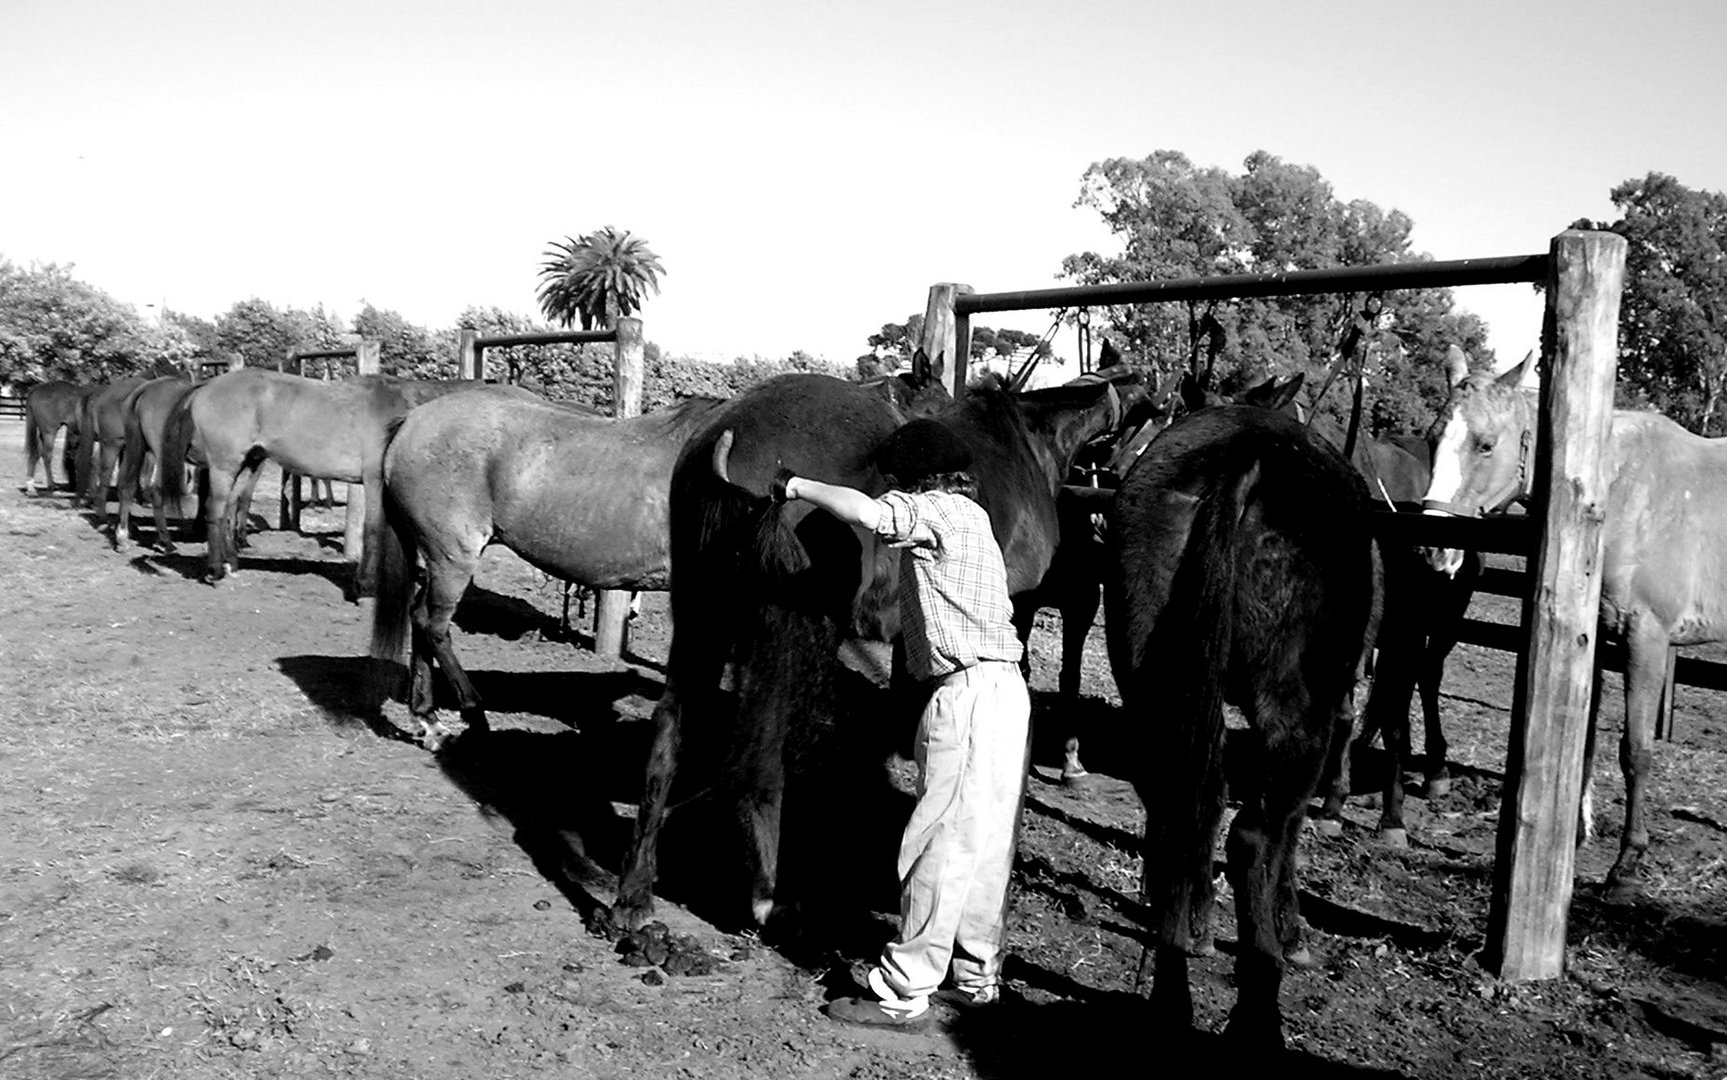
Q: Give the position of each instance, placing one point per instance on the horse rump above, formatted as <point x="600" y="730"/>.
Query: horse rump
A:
<point x="1240" y="570"/>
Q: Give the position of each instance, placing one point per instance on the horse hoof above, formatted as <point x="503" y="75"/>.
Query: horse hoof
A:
<point x="1394" y="838"/>
<point x="1078" y="782"/>
<point x="1329" y="827"/>
<point x="1301" y="958"/>
<point x="1439" y="787"/>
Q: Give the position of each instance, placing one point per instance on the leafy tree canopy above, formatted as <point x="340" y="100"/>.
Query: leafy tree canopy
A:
<point x="598" y="277"/>
<point x="262" y="336"/>
<point x="1673" y="314"/>
<point x="54" y="326"/>
<point x="1175" y="219"/>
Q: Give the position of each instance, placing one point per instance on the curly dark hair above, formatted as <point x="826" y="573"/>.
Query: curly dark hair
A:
<point x="955" y="483"/>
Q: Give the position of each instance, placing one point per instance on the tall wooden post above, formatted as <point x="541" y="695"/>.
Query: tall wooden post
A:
<point x="368" y="357"/>
<point x="1550" y="701"/>
<point x="947" y="335"/>
<point x="470" y="359"/>
<point x="612" y="609"/>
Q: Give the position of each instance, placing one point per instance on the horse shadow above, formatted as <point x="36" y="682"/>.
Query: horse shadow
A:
<point x="1091" y="1030"/>
<point x="570" y="796"/>
<point x="196" y="567"/>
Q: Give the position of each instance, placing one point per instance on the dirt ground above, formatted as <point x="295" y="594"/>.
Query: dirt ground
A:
<point x="214" y="864"/>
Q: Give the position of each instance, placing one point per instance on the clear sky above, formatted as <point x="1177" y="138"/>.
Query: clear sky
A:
<point x="805" y="170"/>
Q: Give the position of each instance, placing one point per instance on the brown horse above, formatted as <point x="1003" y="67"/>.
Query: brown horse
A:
<point x="779" y="590"/>
<point x="48" y="407"/>
<point x="147" y="412"/>
<point x="1663" y="565"/>
<point x="102" y="431"/>
<point x="235" y="422"/>
<point x="580" y="496"/>
<point x="1240" y="570"/>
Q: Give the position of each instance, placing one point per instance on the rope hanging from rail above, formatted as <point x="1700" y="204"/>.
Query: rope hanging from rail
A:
<point x="1017" y="380"/>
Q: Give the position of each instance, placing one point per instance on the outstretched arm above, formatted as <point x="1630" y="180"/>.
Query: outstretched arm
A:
<point x="848" y="504"/>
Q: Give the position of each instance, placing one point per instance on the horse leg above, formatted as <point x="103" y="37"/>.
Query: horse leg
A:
<point x="1586" y="802"/>
<point x="372" y="505"/>
<point x="1261" y="849"/>
<point x="1646" y="646"/>
<point x="217" y="535"/>
<point x="431" y="617"/>
<point x="1388" y="709"/>
<point x="692" y="676"/>
<point x="240" y="502"/>
<point x="1078" y="612"/>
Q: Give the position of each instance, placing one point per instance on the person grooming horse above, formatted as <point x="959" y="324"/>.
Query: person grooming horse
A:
<point x="958" y="847"/>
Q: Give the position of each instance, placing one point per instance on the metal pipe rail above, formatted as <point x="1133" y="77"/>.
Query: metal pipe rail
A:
<point x="1429" y="275"/>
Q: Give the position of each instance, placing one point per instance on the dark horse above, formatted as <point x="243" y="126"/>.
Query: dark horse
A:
<point x="581" y="496"/>
<point x="1240" y="570"/>
<point x="235" y="422"/>
<point x="147" y="410"/>
<point x="102" y="431"/>
<point x="48" y="407"/>
<point x="776" y="590"/>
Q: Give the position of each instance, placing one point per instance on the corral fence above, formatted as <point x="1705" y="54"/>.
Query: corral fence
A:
<point x="612" y="609"/>
<point x="1583" y="273"/>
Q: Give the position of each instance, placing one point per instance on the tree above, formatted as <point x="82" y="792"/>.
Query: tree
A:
<point x="1177" y="220"/>
<point x="598" y="278"/>
<point x="404" y="348"/>
<point x="262" y="336"/>
<point x="1673" y="314"/>
<point x="53" y="326"/>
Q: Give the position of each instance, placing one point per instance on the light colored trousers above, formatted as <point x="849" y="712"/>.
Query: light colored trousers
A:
<point x="958" y="848"/>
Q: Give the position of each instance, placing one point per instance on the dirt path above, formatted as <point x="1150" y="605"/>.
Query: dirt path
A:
<point x="210" y="866"/>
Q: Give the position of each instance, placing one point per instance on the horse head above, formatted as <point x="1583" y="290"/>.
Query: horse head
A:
<point x="1483" y="442"/>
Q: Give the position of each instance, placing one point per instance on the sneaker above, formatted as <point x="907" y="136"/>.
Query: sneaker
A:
<point x="970" y="997"/>
<point x="871" y="1012"/>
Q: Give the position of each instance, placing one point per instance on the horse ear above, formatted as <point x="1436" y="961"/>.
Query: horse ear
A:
<point x="1192" y="392"/>
<point x="921" y="367"/>
<point x="1272" y="394"/>
<point x="1109" y="356"/>
<point x="1514" y="377"/>
<point x="1456" y="366"/>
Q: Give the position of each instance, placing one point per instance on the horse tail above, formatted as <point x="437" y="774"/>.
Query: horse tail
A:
<point x="132" y="456"/>
<point x="395" y="582"/>
<point x="32" y="432"/>
<point x="84" y="468"/>
<point x="176" y="445"/>
<point x="395" y="588"/>
<point x="1189" y="648"/>
<point x="774" y="550"/>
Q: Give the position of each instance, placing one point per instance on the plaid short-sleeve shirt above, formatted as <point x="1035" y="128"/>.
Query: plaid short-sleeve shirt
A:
<point x="953" y="583"/>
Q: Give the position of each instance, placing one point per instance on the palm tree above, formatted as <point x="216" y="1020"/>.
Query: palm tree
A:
<point x="597" y="278"/>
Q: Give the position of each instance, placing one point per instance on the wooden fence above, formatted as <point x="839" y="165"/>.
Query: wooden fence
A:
<point x="1583" y="273"/>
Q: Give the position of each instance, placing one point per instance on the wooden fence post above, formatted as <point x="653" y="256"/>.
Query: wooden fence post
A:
<point x="368" y="357"/>
<point x="1550" y="702"/>
<point x="612" y="609"/>
<point x="470" y="360"/>
<point x="947" y="335"/>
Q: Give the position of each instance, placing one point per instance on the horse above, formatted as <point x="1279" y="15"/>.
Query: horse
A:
<point x="580" y="496"/>
<point x="1073" y="586"/>
<point x="1423" y="612"/>
<point x="1663" y="567"/>
<point x="1239" y="570"/>
<point x="236" y="421"/>
<point x="778" y="590"/>
<point x="48" y="407"/>
<point x="102" y="431"/>
<point x="147" y="410"/>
